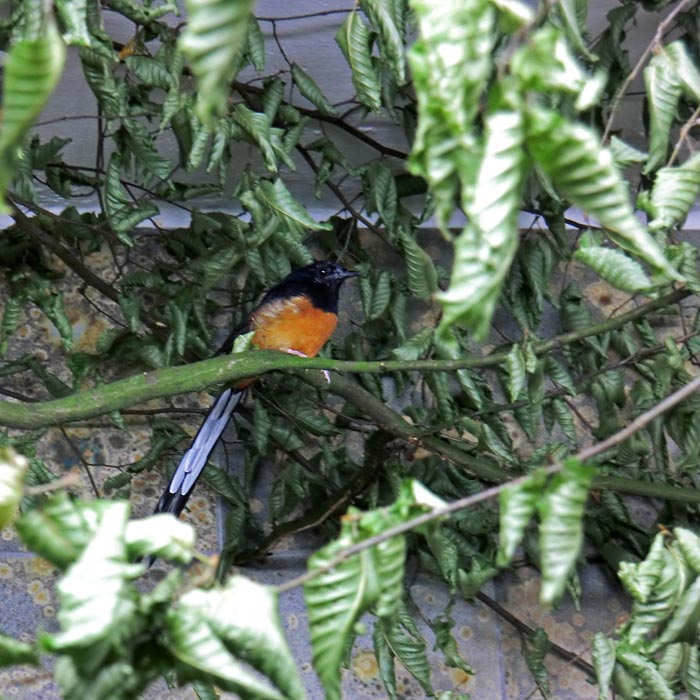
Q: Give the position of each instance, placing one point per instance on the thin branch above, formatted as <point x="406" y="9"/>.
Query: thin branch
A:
<point x="308" y="15"/>
<point x="524" y="628"/>
<point x="584" y="455"/>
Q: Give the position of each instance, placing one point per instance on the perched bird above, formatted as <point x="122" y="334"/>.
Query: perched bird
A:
<point x="298" y="316"/>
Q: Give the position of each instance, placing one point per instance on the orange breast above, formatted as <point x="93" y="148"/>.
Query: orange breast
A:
<point x="292" y="324"/>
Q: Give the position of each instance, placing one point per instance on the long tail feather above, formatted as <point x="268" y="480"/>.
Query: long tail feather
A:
<point x="195" y="458"/>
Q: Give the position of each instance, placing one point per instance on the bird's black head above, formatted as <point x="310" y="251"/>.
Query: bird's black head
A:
<point x="320" y="281"/>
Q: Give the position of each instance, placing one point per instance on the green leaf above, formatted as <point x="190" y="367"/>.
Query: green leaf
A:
<point x="515" y="365"/>
<point x="381" y="296"/>
<point x="685" y="68"/>
<point x="518" y="504"/>
<point x="150" y="71"/>
<point x="256" y="45"/>
<point x="73" y="14"/>
<point x="689" y="544"/>
<point x="337" y="597"/>
<point x="98" y="604"/>
<point x="415" y="347"/>
<point x="123" y="214"/>
<point x="446" y="643"/>
<point x="60" y="530"/>
<point x="660" y="605"/>
<point x="381" y="14"/>
<point x="647" y="673"/>
<point x="518" y="13"/>
<point x="224" y="632"/>
<point x="409" y="650"/>
<point x="422" y="275"/>
<point x="276" y="197"/>
<point x="683" y="624"/>
<point x="663" y="90"/>
<point x="485" y="248"/>
<point x="385" y="661"/>
<point x="161" y="536"/>
<point x="31" y="72"/>
<point x="451" y="65"/>
<point x="12" y="469"/>
<point x="674" y="193"/>
<point x="214" y="39"/>
<point x="604" y="663"/>
<point x="546" y="64"/>
<point x="624" y="155"/>
<point x="354" y="40"/>
<point x="615" y="267"/>
<point x="640" y="579"/>
<point x="312" y="92"/>
<point x="691" y="672"/>
<point x="561" y="529"/>
<point x="257" y="126"/>
<point x="13" y="652"/>
<point x="535" y="652"/>
<point x="571" y="156"/>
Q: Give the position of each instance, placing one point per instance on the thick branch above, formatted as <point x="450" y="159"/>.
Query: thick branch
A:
<point x="201" y="375"/>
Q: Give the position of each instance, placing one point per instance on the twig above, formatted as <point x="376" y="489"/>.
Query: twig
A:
<point x="584" y="455"/>
<point x="684" y="132"/>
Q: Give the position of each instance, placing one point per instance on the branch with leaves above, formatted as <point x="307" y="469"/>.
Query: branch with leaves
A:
<point x="496" y="109"/>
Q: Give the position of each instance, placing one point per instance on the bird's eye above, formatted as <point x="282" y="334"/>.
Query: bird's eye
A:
<point x="323" y="271"/>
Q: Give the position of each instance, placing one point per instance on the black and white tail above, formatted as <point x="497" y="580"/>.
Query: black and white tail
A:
<point x="196" y="457"/>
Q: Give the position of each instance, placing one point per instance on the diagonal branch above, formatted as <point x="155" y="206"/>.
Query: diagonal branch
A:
<point x="586" y="454"/>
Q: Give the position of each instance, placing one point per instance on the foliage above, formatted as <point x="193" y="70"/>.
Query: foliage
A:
<point x="500" y="110"/>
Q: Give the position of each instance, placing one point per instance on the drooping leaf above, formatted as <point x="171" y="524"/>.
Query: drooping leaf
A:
<point x="571" y="156"/>
<point x="450" y="65"/>
<point x="535" y="652"/>
<point x="649" y="676"/>
<point x="214" y="39"/>
<point x="604" y="663"/>
<point x="518" y="504"/>
<point x="97" y="601"/>
<point x="663" y="89"/>
<point x="311" y="91"/>
<point x="515" y="365"/>
<point x="224" y="632"/>
<point x="409" y="650"/>
<point x="380" y="13"/>
<point x="122" y="212"/>
<point x="353" y="37"/>
<point x="674" y="193"/>
<point x="485" y="248"/>
<point x="561" y="529"/>
<point x="615" y="267"/>
<point x="60" y="530"/>
<point x="73" y="14"/>
<point x="31" y="72"/>
<point x="625" y="155"/>
<point x="422" y="275"/>
<point x="279" y="200"/>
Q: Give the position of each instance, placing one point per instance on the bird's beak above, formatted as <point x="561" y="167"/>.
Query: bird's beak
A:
<point x="343" y="274"/>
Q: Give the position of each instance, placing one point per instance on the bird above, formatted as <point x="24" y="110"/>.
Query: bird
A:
<point x="298" y="316"/>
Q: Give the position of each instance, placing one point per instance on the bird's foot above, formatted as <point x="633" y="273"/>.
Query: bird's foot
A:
<point x="325" y="372"/>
